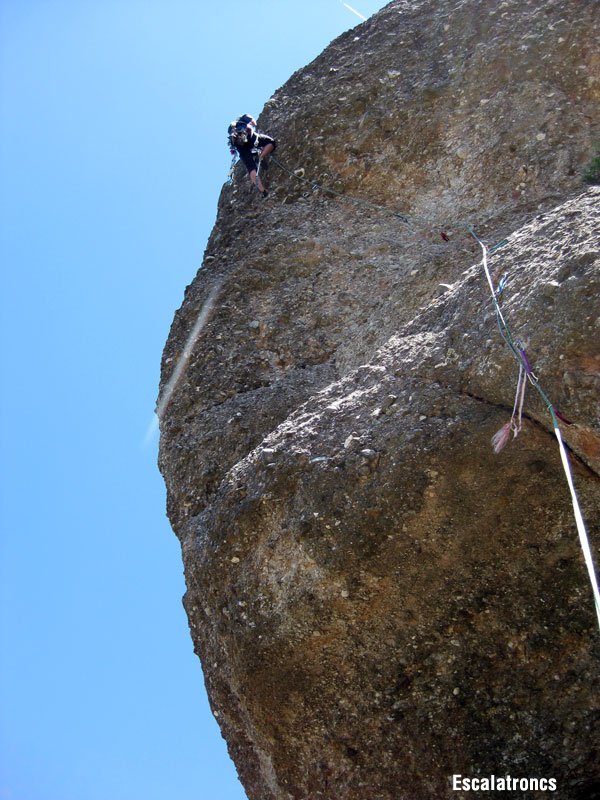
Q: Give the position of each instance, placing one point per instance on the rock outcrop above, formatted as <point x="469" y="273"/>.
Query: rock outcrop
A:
<point x="378" y="600"/>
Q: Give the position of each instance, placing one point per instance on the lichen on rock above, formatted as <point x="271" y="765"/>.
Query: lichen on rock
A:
<point x="378" y="600"/>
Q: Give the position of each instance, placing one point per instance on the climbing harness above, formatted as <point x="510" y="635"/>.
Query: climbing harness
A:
<point x="501" y="437"/>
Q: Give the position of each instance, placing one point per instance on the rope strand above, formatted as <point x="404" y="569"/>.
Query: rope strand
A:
<point x="500" y="439"/>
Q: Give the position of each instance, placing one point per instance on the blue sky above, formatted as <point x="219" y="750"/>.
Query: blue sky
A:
<point x="113" y="117"/>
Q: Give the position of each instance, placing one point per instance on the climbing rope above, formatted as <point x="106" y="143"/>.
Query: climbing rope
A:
<point x="516" y="347"/>
<point x="502" y="436"/>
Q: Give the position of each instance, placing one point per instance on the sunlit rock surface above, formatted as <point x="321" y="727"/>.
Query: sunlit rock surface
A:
<point x="378" y="600"/>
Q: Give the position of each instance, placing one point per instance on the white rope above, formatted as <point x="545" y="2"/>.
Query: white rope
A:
<point x="518" y="406"/>
<point x="489" y="279"/>
<point x="583" y="538"/>
<point x="499" y="440"/>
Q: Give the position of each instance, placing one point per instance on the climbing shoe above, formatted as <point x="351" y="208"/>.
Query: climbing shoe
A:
<point x="265" y="193"/>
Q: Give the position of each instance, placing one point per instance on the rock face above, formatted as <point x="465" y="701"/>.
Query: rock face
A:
<point x="378" y="600"/>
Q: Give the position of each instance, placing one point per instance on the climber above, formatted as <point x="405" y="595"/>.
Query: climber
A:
<point x="245" y="140"/>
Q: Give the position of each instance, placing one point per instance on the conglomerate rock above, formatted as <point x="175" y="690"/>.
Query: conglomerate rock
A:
<point x="378" y="600"/>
